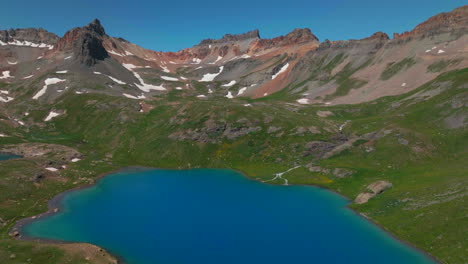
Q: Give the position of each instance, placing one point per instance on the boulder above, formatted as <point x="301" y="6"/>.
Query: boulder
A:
<point x="376" y="188"/>
<point x="379" y="186"/>
<point x="363" y="197"/>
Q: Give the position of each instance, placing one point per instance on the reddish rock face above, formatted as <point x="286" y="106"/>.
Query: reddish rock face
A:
<point x="247" y="43"/>
<point x="378" y="36"/>
<point x="297" y="36"/>
<point x="458" y="18"/>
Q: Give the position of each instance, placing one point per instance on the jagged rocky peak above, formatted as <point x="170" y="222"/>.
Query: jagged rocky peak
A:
<point x="254" y="34"/>
<point x="443" y="22"/>
<point x="378" y="36"/>
<point x="85" y="43"/>
<point x="34" y="35"/>
<point x="95" y="26"/>
<point x="300" y="35"/>
<point x="297" y="36"/>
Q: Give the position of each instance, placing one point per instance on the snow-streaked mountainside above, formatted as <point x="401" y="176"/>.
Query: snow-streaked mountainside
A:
<point x="314" y="72"/>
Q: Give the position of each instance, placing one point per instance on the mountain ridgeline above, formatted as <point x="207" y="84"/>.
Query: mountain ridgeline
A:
<point x="298" y="64"/>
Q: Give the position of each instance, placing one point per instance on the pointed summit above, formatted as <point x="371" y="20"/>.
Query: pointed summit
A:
<point x="300" y="35"/>
<point x="85" y="43"/>
<point x="96" y="26"/>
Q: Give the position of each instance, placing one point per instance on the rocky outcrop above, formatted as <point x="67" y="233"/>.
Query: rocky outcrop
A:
<point x="214" y="132"/>
<point x="377" y="36"/>
<point x="86" y="43"/>
<point x="370" y="44"/>
<point x="443" y="22"/>
<point x="297" y="36"/>
<point x="33" y="35"/>
<point x="254" y="34"/>
<point x="318" y="149"/>
<point x="29" y="150"/>
<point x="337" y="172"/>
<point x="375" y="188"/>
<point x="342" y="173"/>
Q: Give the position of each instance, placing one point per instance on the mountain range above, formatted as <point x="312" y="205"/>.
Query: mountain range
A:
<point x="328" y="72"/>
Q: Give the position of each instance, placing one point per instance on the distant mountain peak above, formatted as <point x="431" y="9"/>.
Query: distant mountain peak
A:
<point x="96" y="26"/>
<point x="253" y="34"/>
<point x="378" y="36"/>
<point x="299" y="35"/>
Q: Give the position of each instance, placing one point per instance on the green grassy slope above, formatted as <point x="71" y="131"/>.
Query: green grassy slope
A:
<point x="423" y="158"/>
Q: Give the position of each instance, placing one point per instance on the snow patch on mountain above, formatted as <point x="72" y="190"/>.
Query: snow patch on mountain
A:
<point x="116" y="80"/>
<point x="47" y="82"/>
<point x="142" y="86"/>
<point x="134" y="97"/>
<point x="209" y="77"/>
<point x="231" y="83"/>
<point x="51" y="115"/>
<point x="241" y="91"/>
<point x="167" y="78"/>
<point x="196" y="61"/>
<point x="283" y="69"/>
<point x="26" y="44"/>
<point x="115" y="53"/>
<point x="6" y="74"/>
<point x="6" y="99"/>
<point x="218" y="59"/>
<point x="165" y="69"/>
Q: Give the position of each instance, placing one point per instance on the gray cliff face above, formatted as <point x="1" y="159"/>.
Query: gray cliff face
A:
<point x="86" y="43"/>
<point x="33" y="35"/>
<point x="254" y="34"/>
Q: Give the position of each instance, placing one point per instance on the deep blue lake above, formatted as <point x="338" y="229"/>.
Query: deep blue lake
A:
<point x="211" y="216"/>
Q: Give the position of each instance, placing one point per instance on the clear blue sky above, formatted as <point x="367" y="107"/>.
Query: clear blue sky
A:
<point x="173" y="25"/>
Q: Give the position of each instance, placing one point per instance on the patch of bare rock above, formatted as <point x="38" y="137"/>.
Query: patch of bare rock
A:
<point x="30" y="150"/>
<point x="337" y="172"/>
<point x="324" y="113"/>
<point x="375" y="189"/>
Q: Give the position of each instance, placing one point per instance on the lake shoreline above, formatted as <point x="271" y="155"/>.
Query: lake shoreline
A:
<point x="55" y="206"/>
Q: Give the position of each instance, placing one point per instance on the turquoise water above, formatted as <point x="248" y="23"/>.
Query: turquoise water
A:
<point x="5" y="156"/>
<point x="208" y="216"/>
